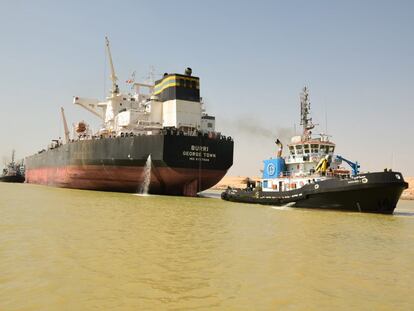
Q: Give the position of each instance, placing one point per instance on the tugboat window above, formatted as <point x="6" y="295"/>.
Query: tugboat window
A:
<point x="315" y="148"/>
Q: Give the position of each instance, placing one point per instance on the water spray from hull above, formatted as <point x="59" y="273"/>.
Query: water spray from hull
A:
<point x="144" y="187"/>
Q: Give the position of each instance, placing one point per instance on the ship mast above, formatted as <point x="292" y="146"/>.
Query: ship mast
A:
<point x="13" y="153"/>
<point x="305" y="119"/>
<point x="115" y="89"/>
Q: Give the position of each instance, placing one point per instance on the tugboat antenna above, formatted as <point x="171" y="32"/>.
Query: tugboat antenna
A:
<point x="305" y="120"/>
<point x="115" y="89"/>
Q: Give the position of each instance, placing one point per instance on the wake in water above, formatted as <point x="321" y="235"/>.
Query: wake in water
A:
<point x="281" y="208"/>
<point x="285" y="207"/>
<point x="403" y="213"/>
<point x="144" y="187"/>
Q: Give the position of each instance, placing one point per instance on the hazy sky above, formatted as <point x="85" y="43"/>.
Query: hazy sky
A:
<point x="253" y="58"/>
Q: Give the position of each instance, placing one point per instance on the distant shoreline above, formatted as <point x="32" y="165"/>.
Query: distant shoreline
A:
<point x="408" y="194"/>
<point x="240" y="182"/>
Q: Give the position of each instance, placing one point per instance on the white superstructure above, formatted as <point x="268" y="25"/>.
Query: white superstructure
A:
<point x="173" y="102"/>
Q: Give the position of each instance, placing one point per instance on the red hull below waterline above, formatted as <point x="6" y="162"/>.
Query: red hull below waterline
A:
<point x="164" y="180"/>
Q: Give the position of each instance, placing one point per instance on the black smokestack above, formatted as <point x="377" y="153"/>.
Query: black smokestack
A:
<point x="280" y="149"/>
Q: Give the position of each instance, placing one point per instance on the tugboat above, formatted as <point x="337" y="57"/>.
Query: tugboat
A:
<point x="13" y="172"/>
<point x="311" y="176"/>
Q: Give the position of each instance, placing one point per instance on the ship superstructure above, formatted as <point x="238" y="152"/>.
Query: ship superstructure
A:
<point x="173" y="102"/>
<point x="165" y="120"/>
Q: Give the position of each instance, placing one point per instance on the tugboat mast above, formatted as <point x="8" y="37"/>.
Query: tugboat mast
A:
<point x="305" y="120"/>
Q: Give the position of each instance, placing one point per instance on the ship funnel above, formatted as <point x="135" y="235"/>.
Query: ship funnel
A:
<point x="280" y="149"/>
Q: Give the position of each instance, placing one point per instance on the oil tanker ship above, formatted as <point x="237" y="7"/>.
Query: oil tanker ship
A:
<point x="163" y="125"/>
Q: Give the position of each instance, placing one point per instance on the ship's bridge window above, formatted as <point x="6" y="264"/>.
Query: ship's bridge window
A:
<point x="314" y="148"/>
<point x="331" y="149"/>
<point x="209" y="124"/>
<point x="299" y="149"/>
<point x="292" y="150"/>
<point x="307" y="148"/>
<point x="322" y="149"/>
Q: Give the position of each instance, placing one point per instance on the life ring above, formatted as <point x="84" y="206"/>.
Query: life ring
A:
<point x="301" y="184"/>
<point x="316" y="187"/>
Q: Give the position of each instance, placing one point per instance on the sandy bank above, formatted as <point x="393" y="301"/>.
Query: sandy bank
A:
<point x="232" y="181"/>
<point x="409" y="193"/>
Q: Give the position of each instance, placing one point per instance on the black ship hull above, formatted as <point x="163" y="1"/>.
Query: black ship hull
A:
<point x="180" y="165"/>
<point x="12" y="179"/>
<point x="370" y="193"/>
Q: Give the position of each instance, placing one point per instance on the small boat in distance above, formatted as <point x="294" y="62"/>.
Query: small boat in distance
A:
<point x="311" y="176"/>
<point x="13" y="172"/>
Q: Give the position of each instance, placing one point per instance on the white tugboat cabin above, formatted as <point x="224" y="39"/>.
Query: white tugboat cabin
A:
<point x="310" y="159"/>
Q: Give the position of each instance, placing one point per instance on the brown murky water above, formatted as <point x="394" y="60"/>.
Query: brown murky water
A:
<point x="66" y="249"/>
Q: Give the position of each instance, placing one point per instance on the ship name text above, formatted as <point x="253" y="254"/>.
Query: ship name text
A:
<point x="199" y="153"/>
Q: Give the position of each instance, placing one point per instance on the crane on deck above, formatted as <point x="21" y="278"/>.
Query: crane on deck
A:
<point x="354" y="165"/>
<point x="115" y="88"/>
